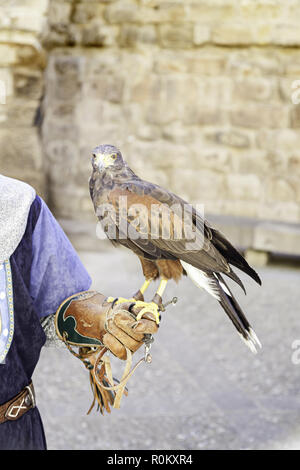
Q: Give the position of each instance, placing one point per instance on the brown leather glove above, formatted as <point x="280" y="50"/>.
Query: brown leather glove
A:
<point x="87" y="321"/>
<point x="123" y="330"/>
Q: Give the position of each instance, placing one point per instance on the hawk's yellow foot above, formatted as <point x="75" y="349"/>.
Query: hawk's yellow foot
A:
<point x="148" y="307"/>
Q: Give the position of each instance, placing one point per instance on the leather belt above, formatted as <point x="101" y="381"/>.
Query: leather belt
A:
<point x="18" y="405"/>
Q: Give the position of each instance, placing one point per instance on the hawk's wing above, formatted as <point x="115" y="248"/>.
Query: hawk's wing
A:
<point x="152" y="219"/>
<point x="213" y="240"/>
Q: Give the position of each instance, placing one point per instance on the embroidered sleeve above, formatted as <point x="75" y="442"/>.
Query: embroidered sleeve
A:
<point x="6" y="310"/>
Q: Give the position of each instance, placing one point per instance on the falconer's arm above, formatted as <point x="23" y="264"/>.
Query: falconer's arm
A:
<point x="94" y="326"/>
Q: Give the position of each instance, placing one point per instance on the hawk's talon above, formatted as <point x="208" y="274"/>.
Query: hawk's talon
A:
<point x="148" y="307"/>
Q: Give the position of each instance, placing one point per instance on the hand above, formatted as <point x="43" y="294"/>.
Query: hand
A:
<point x="93" y="318"/>
<point x="123" y="330"/>
<point x="88" y="320"/>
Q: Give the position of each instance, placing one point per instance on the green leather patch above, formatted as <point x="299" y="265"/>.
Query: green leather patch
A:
<point x="68" y="325"/>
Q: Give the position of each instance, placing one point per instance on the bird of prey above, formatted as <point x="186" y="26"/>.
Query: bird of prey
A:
<point x="170" y="237"/>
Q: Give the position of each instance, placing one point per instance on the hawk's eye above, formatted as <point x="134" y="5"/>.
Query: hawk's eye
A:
<point x="94" y="155"/>
<point x="114" y="156"/>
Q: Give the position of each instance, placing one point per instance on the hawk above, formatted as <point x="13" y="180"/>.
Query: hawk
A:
<point x="170" y="237"/>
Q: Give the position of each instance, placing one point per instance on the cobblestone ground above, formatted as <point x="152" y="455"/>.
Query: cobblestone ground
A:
<point x="204" y="388"/>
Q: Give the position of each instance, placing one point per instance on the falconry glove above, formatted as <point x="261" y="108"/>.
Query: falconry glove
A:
<point x="95" y="326"/>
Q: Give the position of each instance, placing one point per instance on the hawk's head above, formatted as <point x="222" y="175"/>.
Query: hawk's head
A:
<point x="107" y="157"/>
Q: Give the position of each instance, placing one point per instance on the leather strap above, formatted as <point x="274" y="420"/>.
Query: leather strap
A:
<point x="120" y="387"/>
<point x="18" y="405"/>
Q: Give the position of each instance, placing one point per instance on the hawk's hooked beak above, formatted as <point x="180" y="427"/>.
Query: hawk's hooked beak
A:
<point x="101" y="161"/>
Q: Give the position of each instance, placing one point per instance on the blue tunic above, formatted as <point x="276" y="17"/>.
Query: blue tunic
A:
<point x="45" y="270"/>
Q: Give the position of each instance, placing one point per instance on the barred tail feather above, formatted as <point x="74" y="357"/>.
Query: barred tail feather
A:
<point x="236" y="315"/>
<point x="215" y="285"/>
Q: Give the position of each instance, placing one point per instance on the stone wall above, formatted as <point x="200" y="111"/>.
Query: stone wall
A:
<point x="196" y="94"/>
<point x="22" y="63"/>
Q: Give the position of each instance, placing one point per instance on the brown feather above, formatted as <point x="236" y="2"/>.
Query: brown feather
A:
<point x="149" y="268"/>
<point x="170" y="269"/>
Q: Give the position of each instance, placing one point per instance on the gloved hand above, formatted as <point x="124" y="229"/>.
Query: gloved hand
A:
<point x="123" y="330"/>
<point x="87" y="319"/>
<point x="92" y="324"/>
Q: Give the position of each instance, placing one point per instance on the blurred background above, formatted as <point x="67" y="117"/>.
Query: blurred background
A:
<point x="201" y="97"/>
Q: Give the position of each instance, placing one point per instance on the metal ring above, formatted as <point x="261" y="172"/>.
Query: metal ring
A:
<point x="31" y="395"/>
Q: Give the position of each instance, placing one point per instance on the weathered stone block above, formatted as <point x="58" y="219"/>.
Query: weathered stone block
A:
<point x="140" y="90"/>
<point x="284" y="140"/>
<point x="211" y="11"/>
<point x="163" y="91"/>
<point x="8" y="55"/>
<point x="295" y="116"/>
<point x="59" y="12"/>
<point x="292" y="67"/>
<point x="255" y="11"/>
<point x="232" y="34"/>
<point x="176" y="35"/>
<point x="146" y="132"/>
<point x="293" y="165"/>
<point x="65" y="203"/>
<point x="247" y="62"/>
<point x="87" y="12"/>
<point x="201" y="186"/>
<point x="169" y="61"/>
<point x="122" y="12"/>
<point x="20" y="113"/>
<point x="251" y="161"/>
<point x="20" y="148"/>
<point x="260" y="115"/>
<point x="243" y="187"/>
<point x="6" y="85"/>
<point x="286" y="35"/>
<point x="230" y="138"/>
<point x="176" y="132"/>
<point x="263" y="34"/>
<point x="203" y="115"/>
<point x="255" y="89"/>
<point x="28" y="83"/>
<point x="160" y="154"/>
<point x="131" y="35"/>
<point x="203" y="62"/>
<point x="64" y="76"/>
<point x="201" y="34"/>
<point x="212" y="158"/>
<point x="23" y="17"/>
<point x="105" y="87"/>
<point x="96" y="34"/>
<point x="278" y="189"/>
<point x="52" y="38"/>
<point x="162" y="12"/>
